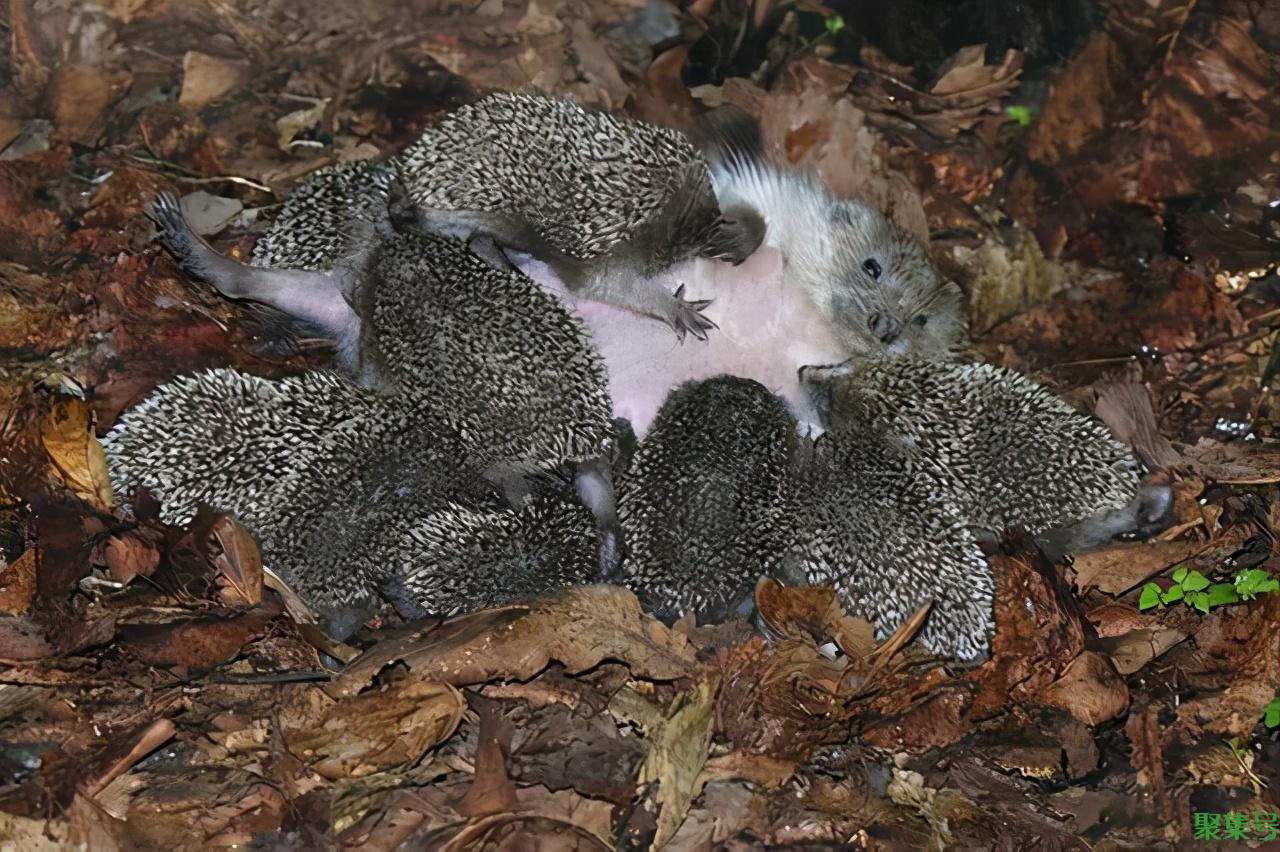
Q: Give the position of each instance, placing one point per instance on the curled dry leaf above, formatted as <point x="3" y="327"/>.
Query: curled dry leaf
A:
<point x="239" y="564"/>
<point x="197" y="644"/>
<point x="81" y="465"/>
<point x="813" y="612"/>
<point x="492" y="791"/>
<point x="1121" y="567"/>
<point x="579" y="627"/>
<point x="1040" y="627"/>
<point x="373" y="732"/>
<point x="967" y="89"/>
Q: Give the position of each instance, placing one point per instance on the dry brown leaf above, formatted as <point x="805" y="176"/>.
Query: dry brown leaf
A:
<point x="1125" y="405"/>
<point x="492" y="791"/>
<point x="18" y="583"/>
<point x="1238" y="463"/>
<point x="67" y="435"/>
<point x="207" y="78"/>
<point x="239" y="564"/>
<point x="1089" y="689"/>
<point x="579" y="627"/>
<point x="768" y="772"/>
<point x="79" y="96"/>
<point x="1121" y="567"/>
<point x="199" y="644"/>
<point x="373" y="732"/>
<point x="129" y="555"/>
<point x="1075" y="111"/>
<point x="677" y="756"/>
<point x="813" y="612"/>
<point x="1133" y="650"/>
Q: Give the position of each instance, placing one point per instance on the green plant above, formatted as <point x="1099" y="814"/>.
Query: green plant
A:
<point x="1195" y="589"/>
<point x="1271" y="713"/>
<point x="1020" y="113"/>
<point x="835" y="24"/>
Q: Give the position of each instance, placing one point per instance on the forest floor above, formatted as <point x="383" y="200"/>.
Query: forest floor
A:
<point x="1102" y="179"/>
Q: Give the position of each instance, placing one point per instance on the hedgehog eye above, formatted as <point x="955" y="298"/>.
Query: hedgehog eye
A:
<point x="921" y="320"/>
<point x="871" y="267"/>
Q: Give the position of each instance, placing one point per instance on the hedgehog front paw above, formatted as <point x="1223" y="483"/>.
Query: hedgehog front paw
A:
<point x="737" y="235"/>
<point x="686" y="317"/>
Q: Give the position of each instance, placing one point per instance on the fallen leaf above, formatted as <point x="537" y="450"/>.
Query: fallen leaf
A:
<point x="207" y="78"/>
<point x="1133" y="650"/>
<point x="578" y="627"/>
<point x="199" y="643"/>
<point x="18" y="583"/>
<point x="768" y="772"/>
<point x="289" y="125"/>
<point x="1089" y="689"/>
<point x="814" y="612"/>
<point x="80" y="96"/>
<point x="1121" y="567"/>
<point x="373" y="732"/>
<point x="492" y="791"/>
<point x="129" y="555"/>
<point x="1238" y="463"/>
<point x="1040" y="628"/>
<point x="208" y="214"/>
<point x="68" y="438"/>
<point x="1075" y="111"/>
<point x="676" y="758"/>
<point x="239" y="564"/>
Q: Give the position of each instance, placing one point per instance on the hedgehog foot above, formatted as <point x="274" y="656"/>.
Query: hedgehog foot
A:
<point x="736" y="236"/>
<point x="686" y="317"/>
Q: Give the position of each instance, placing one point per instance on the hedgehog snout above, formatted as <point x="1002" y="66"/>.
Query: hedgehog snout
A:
<point x="884" y="326"/>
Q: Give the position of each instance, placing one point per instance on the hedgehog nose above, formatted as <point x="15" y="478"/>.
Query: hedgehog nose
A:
<point x="884" y="327"/>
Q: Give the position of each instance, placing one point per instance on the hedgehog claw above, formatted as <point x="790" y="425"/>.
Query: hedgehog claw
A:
<point x="687" y="317"/>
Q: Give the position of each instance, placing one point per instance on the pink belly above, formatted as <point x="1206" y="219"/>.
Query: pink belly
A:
<point x="767" y="332"/>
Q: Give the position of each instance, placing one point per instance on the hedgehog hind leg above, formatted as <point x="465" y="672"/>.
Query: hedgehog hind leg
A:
<point x="593" y="480"/>
<point x="313" y="297"/>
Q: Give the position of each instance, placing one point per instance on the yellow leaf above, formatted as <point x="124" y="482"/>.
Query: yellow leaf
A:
<point x="77" y="456"/>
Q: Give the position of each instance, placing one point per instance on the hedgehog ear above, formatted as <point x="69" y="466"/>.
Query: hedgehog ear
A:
<point x="853" y="213"/>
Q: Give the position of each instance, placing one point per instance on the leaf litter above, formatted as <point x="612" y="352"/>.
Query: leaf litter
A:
<point x="1102" y="190"/>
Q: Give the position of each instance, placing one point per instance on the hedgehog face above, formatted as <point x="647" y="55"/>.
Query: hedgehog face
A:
<point x="886" y="298"/>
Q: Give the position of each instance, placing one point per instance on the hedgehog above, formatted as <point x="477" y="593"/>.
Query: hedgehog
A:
<point x="479" y="378"/>
<point x="710" y="487"/>
<point x="610" y="204"/>
<point x="922" y="462"/>
<point x="354" y="500"/>
<point x="1021" y="454"/>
